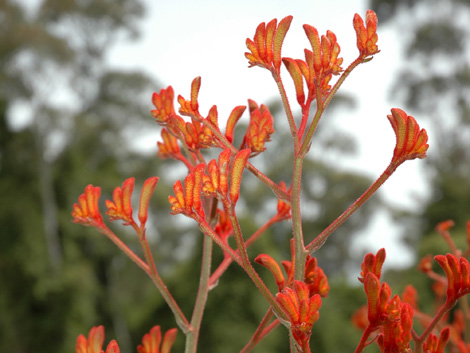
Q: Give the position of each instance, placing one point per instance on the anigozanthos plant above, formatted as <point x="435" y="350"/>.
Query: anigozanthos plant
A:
<point x="210" y="192"/>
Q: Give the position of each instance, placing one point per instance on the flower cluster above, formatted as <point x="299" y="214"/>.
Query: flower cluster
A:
<point x="301" y="309"/>
<point x="151" y="342"/>
<point x="210" y="191"/>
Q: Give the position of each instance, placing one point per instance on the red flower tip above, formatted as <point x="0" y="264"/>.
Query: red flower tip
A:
<point x="238" y="166"/>
<point x="265" y="48"/>
<point x="366" y="34"/>
<point x="301" y="309"/>
<point x="315" y="278"/>
<point x="163" y="103"/>
<point x="260" y="129"/>
<point x="232" y="120"/>
<point x="372" y="263"/>
<point x="444" y="226"/>
<point x="93" y="344"/>
<point x="411" y="140"/>
<point x="425" y="264"/>
<point x="396" y="334"/>
<point x="152" y="341"/>
<point x="190" y="108"/>
<point x="169" y="147"/>
<point x="268" y="262"/>
<point x="145" y="195"/>
<point x="113" y="347"/>
<point x="437" y="345"/>
<point x="325" y="53"/>
<point x="86" y="211"/>
<point x="187" y="200"/>
<point x="457" y="273"/>
<point x="121" y="208"/>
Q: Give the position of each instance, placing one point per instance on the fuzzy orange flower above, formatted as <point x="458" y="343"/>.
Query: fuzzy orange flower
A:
<point x="457" y="271"/>
<point x="325" y="52"/>
<point x="152" y="341"/>
<point x="86" y="211"/>
<point x="121" y="208"/>
<point x="314" y="277"/>
<point x="433" y="344"/>
<point x="319" y="66"/>
<point x="301" y="309"/>
<point x="94" y="343"/>
<point x="372" y="263"/>
<point x="396" y="332"/>
<point x="366" y="34"/>
<point x="411" y="140"/>
<point x="163" y="103"/>
<point x="260" y="128"/>
<point x="265" y="48"/>
<point x="168" y="148"/>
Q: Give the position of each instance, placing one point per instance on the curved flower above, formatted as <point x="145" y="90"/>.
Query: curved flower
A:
<point x="325" y="53"/>
<point x="163" y="103"/>
<point x="169" y="147"/>
<point x="411" y="140"/>
<point x="433" y="344"/>
<point x="458" y="275"/>
<point x="260" y="129"/>
<point x="314" y="278"/>
<point x="396" y="332"/>
<point x="265" y="48"/>
<point x="86" y="211"/>
<point x="92" y="344"/>
<point x="301" y="309"/>
<point x="366" y="34"/>
<point x="152" y="341"/>
<point x="121" y="208"/>
<point x="372" y="263"/>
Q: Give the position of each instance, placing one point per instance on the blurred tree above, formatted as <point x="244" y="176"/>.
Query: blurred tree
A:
<point x="434" y="82"/>
<point x="64" y="123"/>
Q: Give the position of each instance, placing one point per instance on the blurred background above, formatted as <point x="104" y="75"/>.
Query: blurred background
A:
<point x="76" y="79"/>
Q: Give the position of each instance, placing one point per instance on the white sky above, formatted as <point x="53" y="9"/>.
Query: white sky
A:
<point x="185" y="39"/>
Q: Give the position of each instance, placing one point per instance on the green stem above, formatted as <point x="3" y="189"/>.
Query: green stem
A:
<point x="288" y="110"/>
<point x="207" y="230"/>
<point x="150" y="269"/>
<point x="157" y="280"/>
<point x="340" y="81"/>
<point x="246" y="264"/>
<point x="323" y="103"/>
<point x="262" y="330"/>
<point x="321" y="238"/>
<point x="299" y="255"/>
<point x="228" y="260"/>
<point x="313" y="126"/>
<point x="125" y="249"/>
<point x="201" y="298"/>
